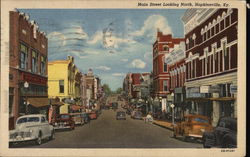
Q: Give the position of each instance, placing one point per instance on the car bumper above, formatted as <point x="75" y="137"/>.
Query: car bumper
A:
<point x="195" y="136"/>
<point x="21" y="139"/>
<point x="61" y="127"/>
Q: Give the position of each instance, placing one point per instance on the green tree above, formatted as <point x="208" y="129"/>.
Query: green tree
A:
<point x="119" y="90"/>
<point x="106" y="89"/>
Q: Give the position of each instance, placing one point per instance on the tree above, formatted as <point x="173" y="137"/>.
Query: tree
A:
<point x="119" y="90"/>
<point x="106" y="89"/>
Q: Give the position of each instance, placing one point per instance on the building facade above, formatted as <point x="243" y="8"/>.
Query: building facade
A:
<point x="27" y="65"/>
<point x="176" y="65"/>
<point x="62" y="81"/>
<point x="211" y="61"/>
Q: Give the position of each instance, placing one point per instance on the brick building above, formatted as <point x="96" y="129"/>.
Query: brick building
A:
<point x="176" y="66"/>
<point x="211" y="61"/>
<point x="27" y="63"/>
<point x="163" y="45"/>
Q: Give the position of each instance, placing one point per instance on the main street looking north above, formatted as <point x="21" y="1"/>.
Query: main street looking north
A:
<point x="107" y="132"/>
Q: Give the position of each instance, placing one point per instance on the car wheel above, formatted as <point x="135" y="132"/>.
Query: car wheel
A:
<point x="39" y="139"/>
<point x="205" y="145"/>
<point x="52" y="137"/>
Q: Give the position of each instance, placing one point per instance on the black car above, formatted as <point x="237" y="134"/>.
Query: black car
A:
<point x="120" y="115"/>
<point x="224" y="134"/>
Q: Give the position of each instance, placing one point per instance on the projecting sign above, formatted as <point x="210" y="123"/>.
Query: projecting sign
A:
<point x="204" y="89"/>
<point x="233" y="89"/>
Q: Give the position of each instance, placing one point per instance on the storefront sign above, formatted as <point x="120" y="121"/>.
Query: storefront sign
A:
<point x="170" y="97"/>
<point x="33" y="78"/>
<point x="193" y="90"/>
<point x="179" y="90"/>
<point x="195" y="95"/>
<point x="233" y="89"/>
<point x="214" y="89"/>
<point x="204" y="89"/>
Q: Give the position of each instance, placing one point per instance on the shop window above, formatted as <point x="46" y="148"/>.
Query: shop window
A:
<point x="24" y="56"/>
<point x="61" y="86"/>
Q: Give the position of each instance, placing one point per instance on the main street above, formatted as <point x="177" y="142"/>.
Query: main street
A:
<point x="107" y="132"/>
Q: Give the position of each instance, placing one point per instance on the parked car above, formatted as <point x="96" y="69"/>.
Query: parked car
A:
<point x="136" y="115"/>
<point x="93" y="115"/>
<point x="120" y="115"/>
<point x="64" y="121"/>
<point x="224" y="134"/>
<point x="33" y="127"/>
<point x="77" y="118"/>
<point x="192" y="126"/>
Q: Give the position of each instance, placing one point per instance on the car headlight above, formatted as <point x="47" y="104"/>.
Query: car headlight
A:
<point x="30" y="130"/>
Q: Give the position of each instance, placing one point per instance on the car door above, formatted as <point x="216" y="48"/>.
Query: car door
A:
<point x="220" y="131"/>
<point x="45" y="127"/>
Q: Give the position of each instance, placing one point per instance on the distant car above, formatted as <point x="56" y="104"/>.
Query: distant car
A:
<point x="192" y="126"/>
<point x="77" y="118"/>
<point x="136" y="115"/>
<point x="33" y="127"/>
<point x="93" y="115"/>
<point x="224" y="134"/>
<point x="120" y="115"/>
<point x="64" y="121"/>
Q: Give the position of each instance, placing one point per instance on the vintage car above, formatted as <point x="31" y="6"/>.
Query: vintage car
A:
<point x="33" y="127"/>
<point x="192" y="126"/>
<point x="224" y="134"/>
<point x="93" y="115"/>
<point x="64" y="121"/>
<point x="85" y="116"/>
<point x="120" y="115"/>
<point x="77" y="118"/>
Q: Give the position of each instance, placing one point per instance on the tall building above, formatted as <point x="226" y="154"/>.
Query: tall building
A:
<point x="27" y="66"/>
<point x="163" y="45"/>
<point x="211" y="61"/>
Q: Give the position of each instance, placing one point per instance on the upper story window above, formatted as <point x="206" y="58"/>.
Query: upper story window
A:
<point x="165" y="85"/>
<point x="34" y="61"/>
<point x="165" y="48"/>
<point x="165" y="67"/>
<point x="61" y="86"/>
<point x="23" y="56"/>
<point x="43" y="65"/>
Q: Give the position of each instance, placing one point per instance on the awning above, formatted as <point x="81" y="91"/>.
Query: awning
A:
<point x="38" y="102"/>
<point x="56" y="102"/>
<point x="223" y="99"/>
<point x="197" y="99"/>
<point x="76" y="107"/>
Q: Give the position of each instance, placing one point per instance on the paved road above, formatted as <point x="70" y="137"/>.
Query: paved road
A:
<point x="107" y="132"/>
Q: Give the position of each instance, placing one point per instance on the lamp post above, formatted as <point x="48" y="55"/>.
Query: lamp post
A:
<point x="26" y="86"/>
<point x="172" y="106"/>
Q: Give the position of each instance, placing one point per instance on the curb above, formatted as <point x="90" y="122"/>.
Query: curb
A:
<point x="163" y="126"/>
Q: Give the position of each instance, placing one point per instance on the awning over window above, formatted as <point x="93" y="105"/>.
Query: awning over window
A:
<point x="41" y="102"/>
<point x="38" y="102"/>
<point x="223" y="99"/>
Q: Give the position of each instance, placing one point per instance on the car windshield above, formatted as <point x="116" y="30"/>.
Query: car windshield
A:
<point x="64" y="116"/>
<point x="120" y="113"/>
<point x="28" y="119"/>
<point x="201" y="120"/>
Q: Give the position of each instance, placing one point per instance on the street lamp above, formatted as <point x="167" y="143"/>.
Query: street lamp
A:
<point x="172" y="106"/>
<point x="26" y="86"/>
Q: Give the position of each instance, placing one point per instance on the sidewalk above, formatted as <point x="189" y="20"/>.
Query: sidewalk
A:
<point x="163" y="124"/>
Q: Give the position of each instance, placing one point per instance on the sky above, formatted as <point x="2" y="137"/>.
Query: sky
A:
<point x="112" y="42"/>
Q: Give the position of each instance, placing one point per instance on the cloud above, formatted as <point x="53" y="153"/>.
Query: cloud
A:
<point x="57" y="38"/>
<point x="151" y="24"/>
<point x="137" y="63"/>
<point x="124" y="59"/>
<point x="104" y="68"/>
<point x="118" y="74"/>
<point x="97" y="37"/>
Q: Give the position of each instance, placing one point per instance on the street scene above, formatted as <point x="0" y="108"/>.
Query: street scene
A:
<point x="123" y="78"/>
